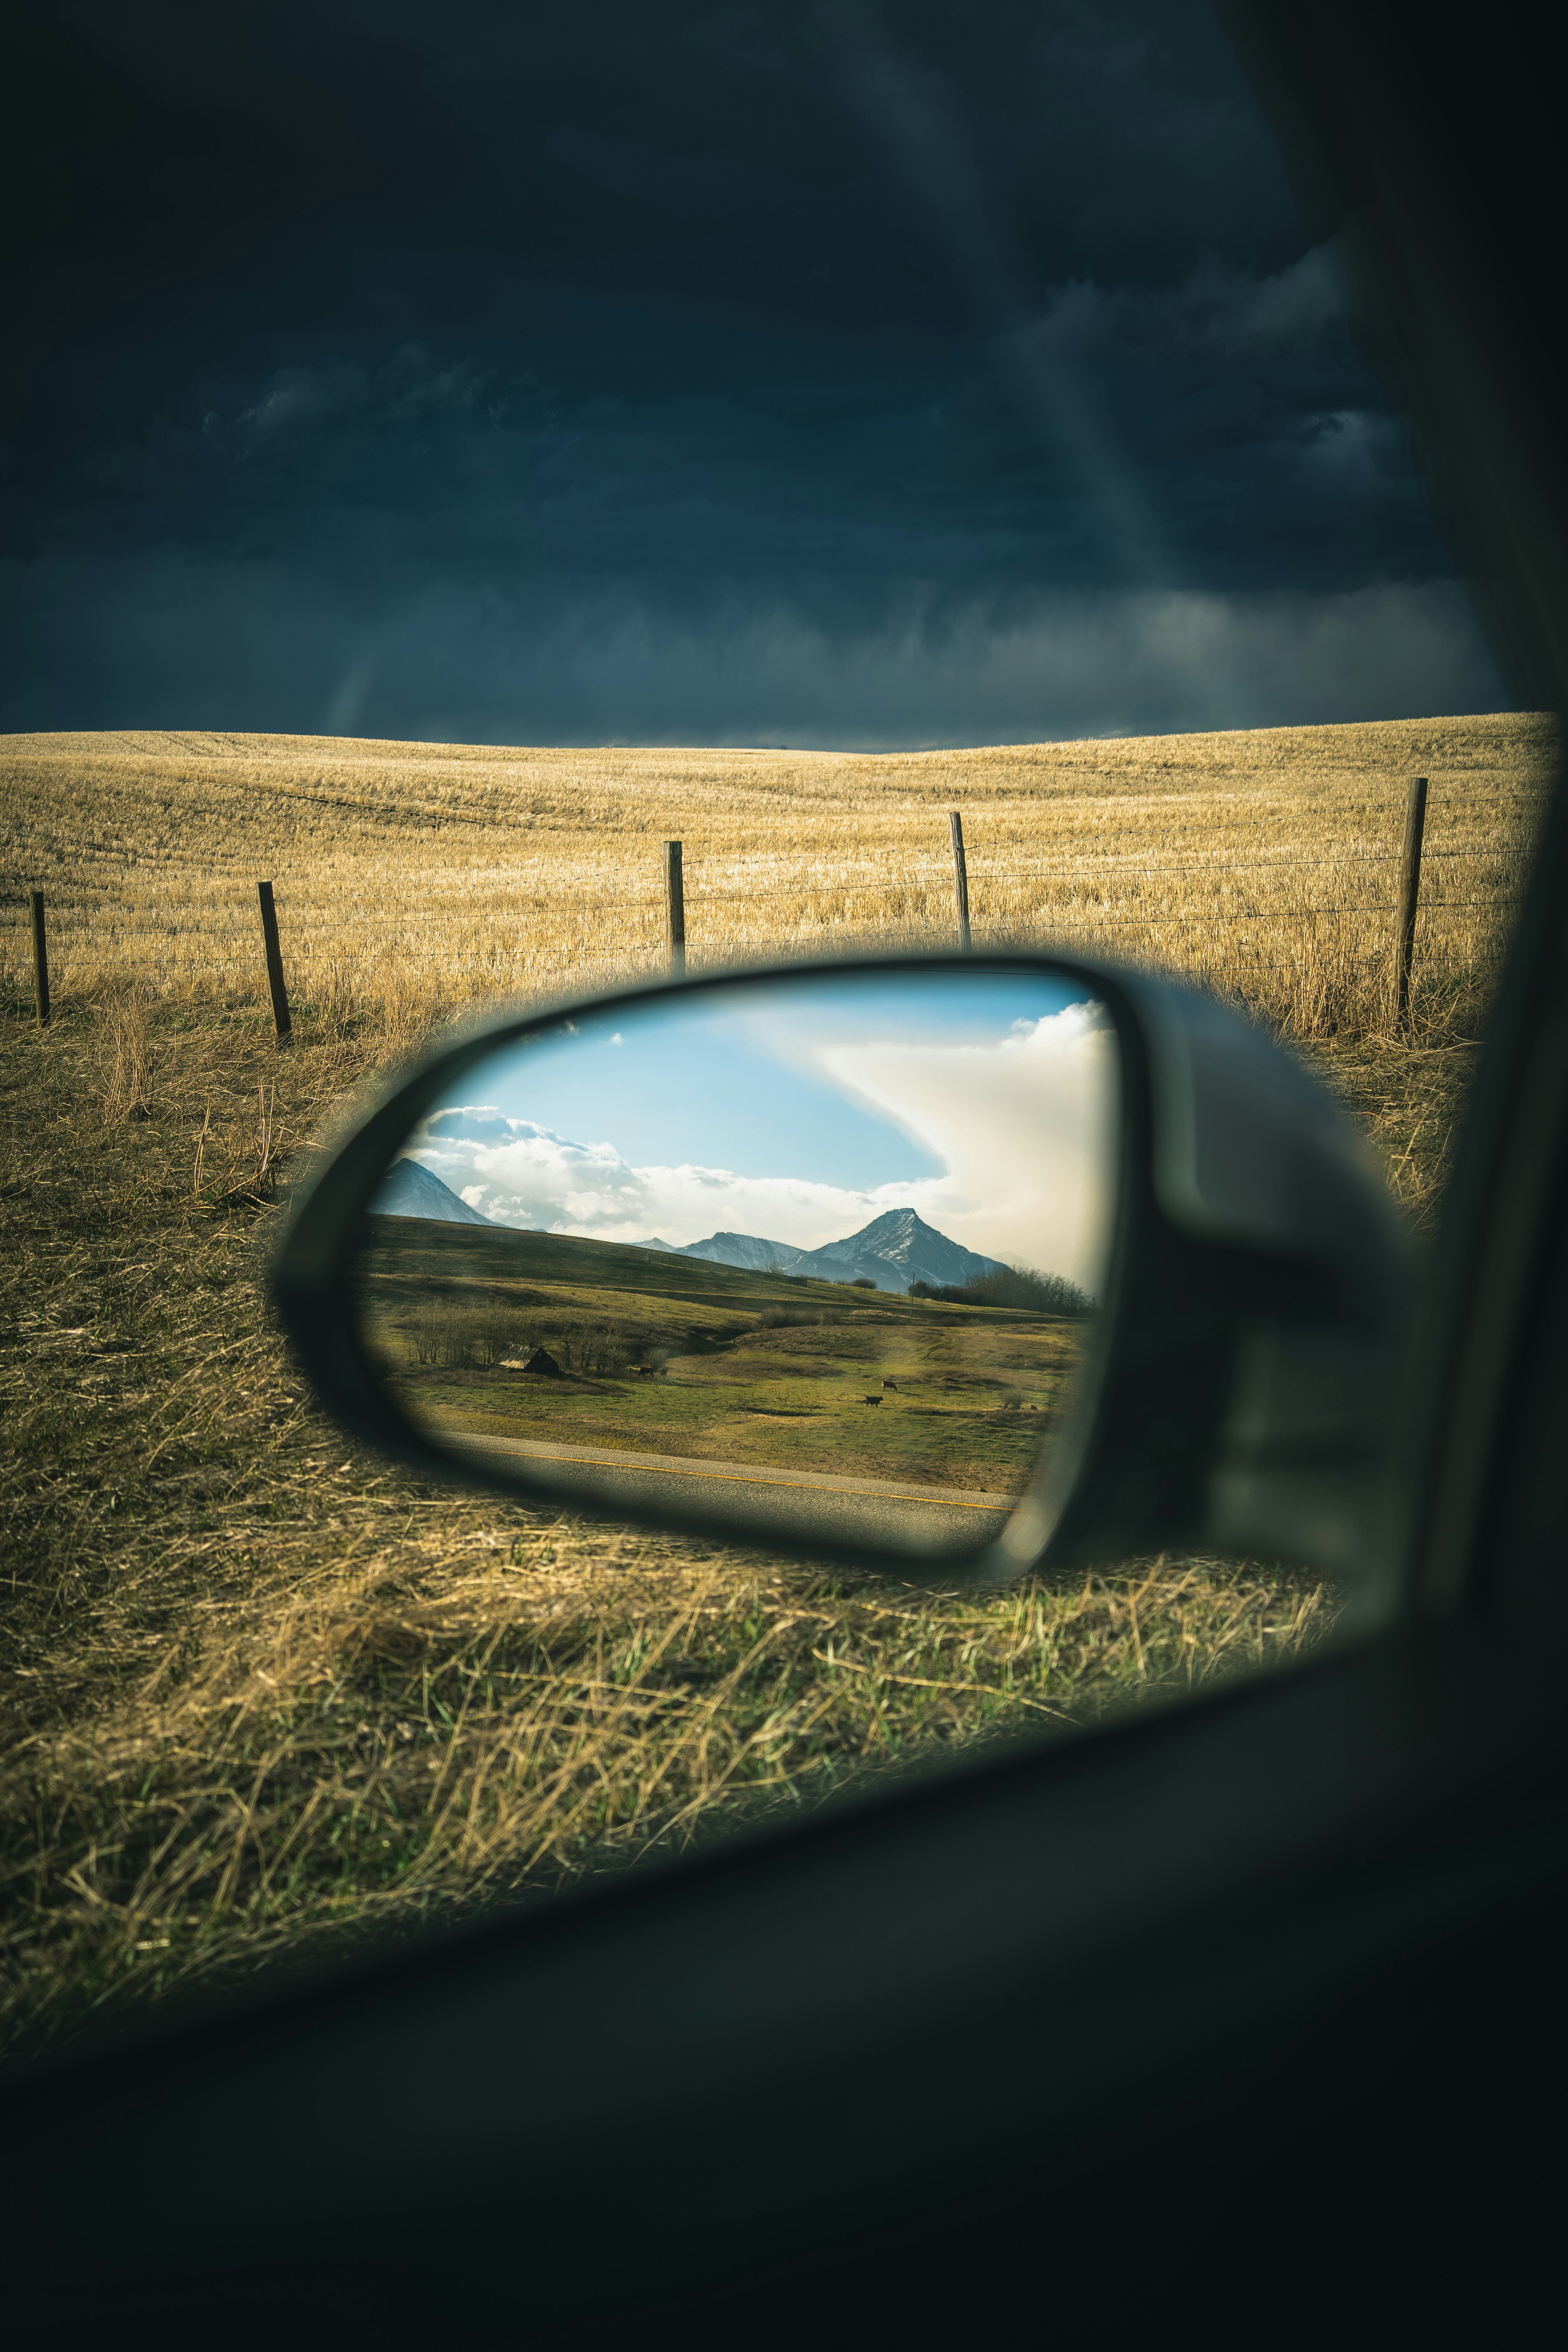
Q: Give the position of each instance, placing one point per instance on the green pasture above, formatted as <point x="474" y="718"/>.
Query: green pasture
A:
<point x="662" y="1354"/>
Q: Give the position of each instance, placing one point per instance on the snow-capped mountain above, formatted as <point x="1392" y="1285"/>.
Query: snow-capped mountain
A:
<point x="747" y="1250"/>
<point x="902" y="1241"/>
<point x="409" y="1190"/>
<point x="894" y="1250"/>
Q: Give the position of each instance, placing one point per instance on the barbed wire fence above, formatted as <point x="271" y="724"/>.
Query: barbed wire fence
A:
<point x="966" y="896"/>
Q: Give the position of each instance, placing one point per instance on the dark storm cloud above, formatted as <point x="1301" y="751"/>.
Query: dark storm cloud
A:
<point x="785" y="373"/>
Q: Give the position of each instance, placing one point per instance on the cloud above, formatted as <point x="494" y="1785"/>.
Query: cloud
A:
<point x="166" y="640"/>
<point x="549" y="1183"/>
<point x="1291" y="309"/>
<point x="1346" y="446"/>
<point x="1022" y="1128"/>
<point x="1218" y="309"/>
<point x="405" y="385"/>
<point x="862" y="382"/>
<point x="473" y="1125"/>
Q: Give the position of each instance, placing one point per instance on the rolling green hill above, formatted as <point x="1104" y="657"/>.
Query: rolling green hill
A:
<point x="663" y="1354"/>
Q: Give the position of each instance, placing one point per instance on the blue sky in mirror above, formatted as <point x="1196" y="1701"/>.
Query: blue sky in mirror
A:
<point x="874" y="373"/>
<point x="800" y="1110"/>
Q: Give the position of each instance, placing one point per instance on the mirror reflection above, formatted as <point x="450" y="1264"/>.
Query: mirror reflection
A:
<point x="811" y="1256"/>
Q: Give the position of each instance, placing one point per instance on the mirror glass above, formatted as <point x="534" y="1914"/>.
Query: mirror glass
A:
<point x="809" y="1256"/>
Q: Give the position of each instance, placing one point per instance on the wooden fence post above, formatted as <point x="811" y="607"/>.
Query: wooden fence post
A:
<point x="40" y="961"/>
<point x="674" y="910"/>
<point x="960" y="879"/>
<point x="1410" y="892"/>
<point x="274" y="964"/>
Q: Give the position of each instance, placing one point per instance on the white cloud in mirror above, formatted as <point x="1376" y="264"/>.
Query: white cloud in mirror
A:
<point x="1024" y="1129"/>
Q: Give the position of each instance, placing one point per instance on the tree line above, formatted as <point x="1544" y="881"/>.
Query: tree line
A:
<point x="1021" y="1286"/>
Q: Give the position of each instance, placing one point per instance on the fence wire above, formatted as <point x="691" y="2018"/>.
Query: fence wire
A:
<point x="917" y="895"/>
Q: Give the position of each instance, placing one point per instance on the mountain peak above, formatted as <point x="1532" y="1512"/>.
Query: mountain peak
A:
<point x="895" y="1249"/>
<point x="411" y="1190"/>
<point x="894" y="1222"/>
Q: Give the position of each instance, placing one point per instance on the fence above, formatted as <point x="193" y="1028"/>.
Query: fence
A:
<point x="1062" y="907"/>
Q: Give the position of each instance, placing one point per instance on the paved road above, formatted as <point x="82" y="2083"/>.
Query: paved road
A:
<point x="803" y="1503"/>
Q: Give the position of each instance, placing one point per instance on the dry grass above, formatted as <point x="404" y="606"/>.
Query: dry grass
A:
<point x="412" y="876"/>
<point x="256" y="1693"/>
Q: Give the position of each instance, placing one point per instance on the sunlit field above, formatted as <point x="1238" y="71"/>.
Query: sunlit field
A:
<point x="263" y="1693"/>
<point x="588" y="1354"/>
<point x="413" y="879"/>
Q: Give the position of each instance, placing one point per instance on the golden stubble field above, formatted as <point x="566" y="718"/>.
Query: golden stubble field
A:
<point x="427" y="875"/>
<point x="259" y="1693"/>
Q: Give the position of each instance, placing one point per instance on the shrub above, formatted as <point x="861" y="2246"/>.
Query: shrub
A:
<point x="1019" y="1286"/>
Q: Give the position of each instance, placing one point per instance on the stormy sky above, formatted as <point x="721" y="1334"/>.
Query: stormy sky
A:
<point x="827" y="373"/>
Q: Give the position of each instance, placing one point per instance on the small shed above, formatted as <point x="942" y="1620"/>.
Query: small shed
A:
<point x="542" y="1361"/>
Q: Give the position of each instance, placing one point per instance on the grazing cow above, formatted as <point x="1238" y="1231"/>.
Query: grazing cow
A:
<point x="876" y="1400"/>
<point x="889" y="1384"/>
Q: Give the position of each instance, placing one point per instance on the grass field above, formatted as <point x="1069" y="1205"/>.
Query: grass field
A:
<point x="261" y="1693"/>
<point x="416" y="877"/>
<point x="668" y="1355"/>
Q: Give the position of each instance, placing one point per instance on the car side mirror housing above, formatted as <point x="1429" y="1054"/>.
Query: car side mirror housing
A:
<point x="1115" y="1273"/>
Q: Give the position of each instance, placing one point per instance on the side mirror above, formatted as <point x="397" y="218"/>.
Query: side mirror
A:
<point x="952" y="1267"/>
